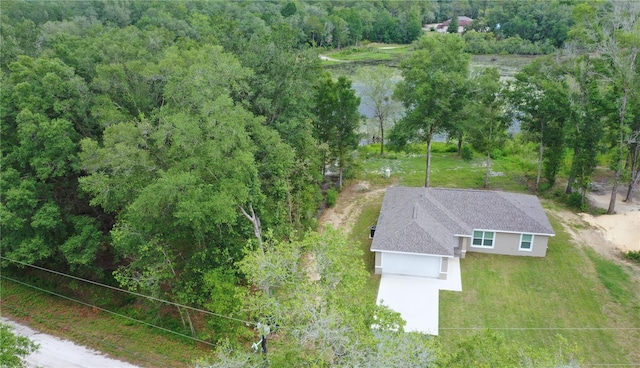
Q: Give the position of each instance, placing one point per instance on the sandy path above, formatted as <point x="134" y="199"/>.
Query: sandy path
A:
<point x="349" y="205"/>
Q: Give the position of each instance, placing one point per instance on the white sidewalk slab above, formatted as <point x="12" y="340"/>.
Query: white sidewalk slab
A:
<point x="417" y="298"/>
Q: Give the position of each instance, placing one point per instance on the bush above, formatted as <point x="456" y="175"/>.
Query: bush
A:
<point x="496" y="153"/>
<point x="634" y="255"/>
<point x="574" y="200"/>
<point x="466" y="153"/>
<point x="442" y="147"/>
<point x="332" y="197"/>
<point x="451" y="148"/>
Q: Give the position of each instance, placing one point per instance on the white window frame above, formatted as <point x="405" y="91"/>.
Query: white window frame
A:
<point x="482" y="238"/>
<point x="530" y="249"/>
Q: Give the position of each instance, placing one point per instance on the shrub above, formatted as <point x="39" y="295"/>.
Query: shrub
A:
<point x="451" y="148"/>
<point x="466" y="153"/>
<point x="496" y="153"/>
<point x="391" y="156"/>
<point x="634" y="255"/>
<point x="442" y="147"/>
<point x="574" y="200"/>
<point x="332" y="197"/>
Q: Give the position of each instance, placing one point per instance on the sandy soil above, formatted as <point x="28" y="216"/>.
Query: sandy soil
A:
<point x="620" y="231"/>
<point x="55" y="352"/>
<point x="609" y="235"/>
<point x="349" y="205"/>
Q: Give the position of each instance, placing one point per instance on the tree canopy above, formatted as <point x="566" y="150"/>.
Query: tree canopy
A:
<point x="434" y="82"/>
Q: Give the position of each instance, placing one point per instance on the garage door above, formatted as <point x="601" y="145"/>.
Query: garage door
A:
<point x="408" y="264"/>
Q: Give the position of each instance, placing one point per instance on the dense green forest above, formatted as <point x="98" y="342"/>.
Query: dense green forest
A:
<point x="181" y="149"/>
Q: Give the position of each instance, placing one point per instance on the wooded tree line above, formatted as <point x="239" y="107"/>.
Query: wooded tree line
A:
<point x="579" y="103"/>
<point x="137" y="135"/>
<point x="532" y="26"/>
<point x="152" y="142"/>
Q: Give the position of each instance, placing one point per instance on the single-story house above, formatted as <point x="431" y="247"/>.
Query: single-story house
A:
<point x="463" y="22"/>
<point x="420" y="229"/>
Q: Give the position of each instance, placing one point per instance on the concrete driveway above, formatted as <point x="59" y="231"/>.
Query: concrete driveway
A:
<point x="417" y="298"/>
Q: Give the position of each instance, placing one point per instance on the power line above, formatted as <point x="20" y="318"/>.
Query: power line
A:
<point x="108" y="311"/>
<point x="254" y="324"/>
<point x="127" y="291"/>
<point x="210" y="344"/>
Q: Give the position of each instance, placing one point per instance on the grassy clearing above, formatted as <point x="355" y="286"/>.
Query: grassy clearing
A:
<point x="566" y="289"/>
<point x="508" y="65"/>
<point x="140" y="345"/>
<point x="571" y="287"/>
<point x="614" y="278"/>
<point x="448" y="170"/>
<point x="360" y="235"/>
<point x="371" y="52"/>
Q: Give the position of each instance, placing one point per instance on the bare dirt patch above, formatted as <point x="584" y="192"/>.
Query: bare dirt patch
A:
<point x="349" y="205"/>
<point x="621" y="231"/>
<point x="608" y="235"/>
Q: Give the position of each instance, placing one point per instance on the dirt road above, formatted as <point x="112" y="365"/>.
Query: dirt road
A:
<point x="56" y="353"/>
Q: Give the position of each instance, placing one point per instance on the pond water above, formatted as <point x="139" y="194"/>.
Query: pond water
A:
<point x="508" y="65"/>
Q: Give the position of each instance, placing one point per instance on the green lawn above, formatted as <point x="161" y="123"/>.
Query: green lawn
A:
<point x="371" y="52"/>
<point x="563" y="290"/>
<point x="447" y="170"/>
<point x="360" y="235"/>
<point x="572" y="287"/>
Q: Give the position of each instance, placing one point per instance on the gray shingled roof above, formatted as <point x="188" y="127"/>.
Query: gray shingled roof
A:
<point x="427" y="220"/>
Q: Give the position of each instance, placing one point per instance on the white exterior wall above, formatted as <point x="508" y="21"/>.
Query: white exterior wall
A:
<point x="410" y="264"/>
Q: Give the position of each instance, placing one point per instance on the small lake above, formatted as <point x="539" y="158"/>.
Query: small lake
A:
<point x="508" y="65"/>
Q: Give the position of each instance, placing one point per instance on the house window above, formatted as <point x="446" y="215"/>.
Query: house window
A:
<point x="526" y="242"/>
<point x="483" y="239"/>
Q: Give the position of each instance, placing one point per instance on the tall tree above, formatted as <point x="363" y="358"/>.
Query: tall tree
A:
<point x="453" y="24"/>
<point x="435" y="78"/>
<point x="489" y="130"/>
<point x="539" y="97"/>
<point x="633" y="158"/>
<point x="586" y="128"/>
<point x="378" y="95"/>
<point x="312" y="287"/>
<point x="338" y="120"/>
<point x="611" y="29"/>
<point x="44" y="216"/>
<point x="177" y="180"/>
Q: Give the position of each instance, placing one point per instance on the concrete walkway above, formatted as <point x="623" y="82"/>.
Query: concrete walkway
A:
<point x="417" y="298"/>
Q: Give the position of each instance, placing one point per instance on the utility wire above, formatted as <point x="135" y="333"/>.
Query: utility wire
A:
<point x="255" y="324"/>
<point x="128" y="291"/>
<point x="210" y="344"/>
<point x="108" y="311"/>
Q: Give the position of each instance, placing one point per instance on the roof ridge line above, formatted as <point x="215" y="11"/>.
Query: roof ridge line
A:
<point x="444" y="209"/>
<point x="508" y="197"/>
